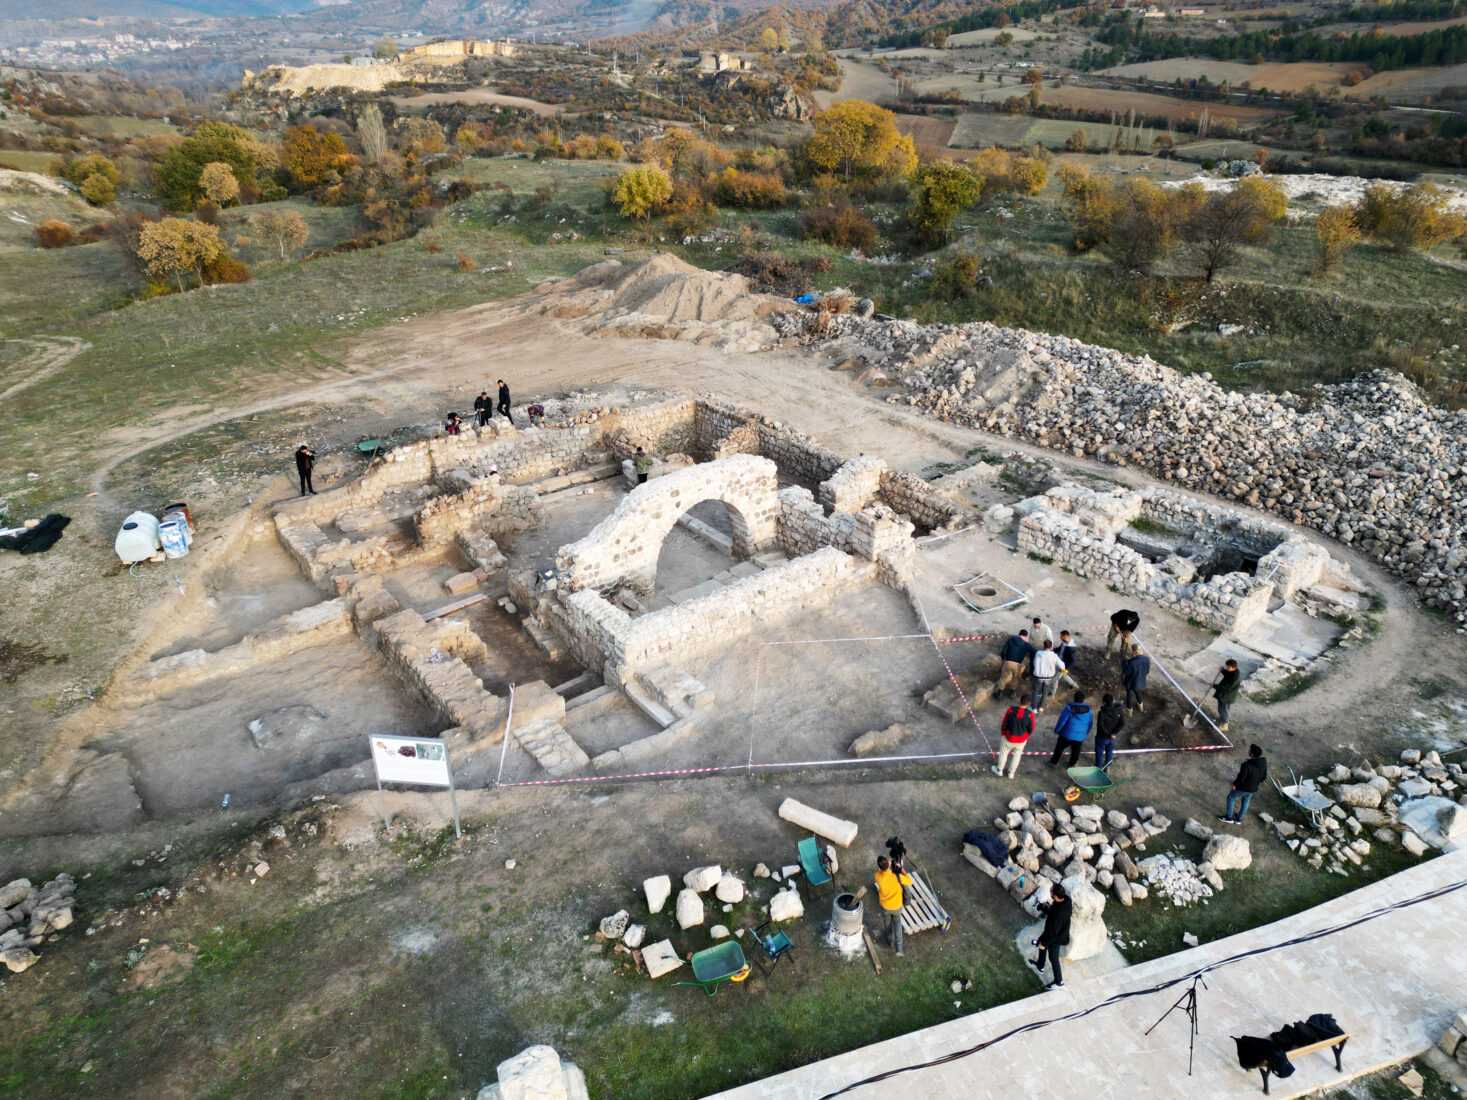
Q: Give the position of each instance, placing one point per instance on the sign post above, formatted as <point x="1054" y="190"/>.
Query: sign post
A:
<point x="419" y="760"/>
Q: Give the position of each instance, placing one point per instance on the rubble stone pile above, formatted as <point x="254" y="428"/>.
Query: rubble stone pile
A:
<point x="1367" y="461"/>
<point x="1418" y="804"/>
<point x="29" y="915"/>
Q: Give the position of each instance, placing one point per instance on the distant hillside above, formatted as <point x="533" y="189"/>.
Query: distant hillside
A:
<point x="24" y="10"/>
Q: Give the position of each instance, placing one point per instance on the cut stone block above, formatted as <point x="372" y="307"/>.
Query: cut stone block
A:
<point x="461" y="582"/>
<point x="1227" y="853"/>
<point x="730" y="889"/>
<point x="786" y="905"/>
<point x="703" y="879"/>
<point x="660" y="958"/>
<point x="832" y="828"/>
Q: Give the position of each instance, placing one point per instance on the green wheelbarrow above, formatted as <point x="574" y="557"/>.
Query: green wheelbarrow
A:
<point x="723" y="962"/>
<point x="1091" y="781"/>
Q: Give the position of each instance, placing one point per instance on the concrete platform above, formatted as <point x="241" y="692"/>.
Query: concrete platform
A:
<point x="1395" y="980"/>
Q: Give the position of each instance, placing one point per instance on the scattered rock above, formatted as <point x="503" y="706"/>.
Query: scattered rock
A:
<point x="718" y="932"/>
<point x="689" y="909"/>
<point x="1189" y="939"/>
<point x="1195" y="828"/>
<point x="634" y="935"/>
<point x="730" y="889"/>
<point x="786" y="905"/>
<point x="615" y="926"/>
<point x="658" y="890"/>
<point x="703" y="879"/>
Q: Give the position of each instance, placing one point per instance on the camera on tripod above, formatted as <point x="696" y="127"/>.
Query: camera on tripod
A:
<point x="898" y="852"/>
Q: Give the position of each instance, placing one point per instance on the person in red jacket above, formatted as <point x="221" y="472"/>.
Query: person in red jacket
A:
<point x="1017" y="728"/>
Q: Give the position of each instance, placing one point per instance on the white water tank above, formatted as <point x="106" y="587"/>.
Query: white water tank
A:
<point x="138" y="540"/>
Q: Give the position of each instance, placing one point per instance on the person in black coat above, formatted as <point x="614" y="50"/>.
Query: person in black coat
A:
<point x="1056" y="934"/>
<point x="1108" y="725"/>
<point x="305" y="460"/>
<point x="504" y="400"/>
<point x="1134" y="671"/>
<point x="483" y="408"/>
<point x="1250" y="777"/>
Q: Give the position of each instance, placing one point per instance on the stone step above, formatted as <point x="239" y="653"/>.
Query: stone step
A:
<point x="584" y="476"/>
<point x="593" y="704"/>
<point x="715" y="538"/>
<point x="648" y="705"/>
<point x="570" y="687"/>
<point x="552" y="748"/>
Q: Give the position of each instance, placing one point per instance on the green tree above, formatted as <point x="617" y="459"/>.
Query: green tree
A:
<point x="95" y="177"/>
<point x="176" y="248"/>
<point x="177" y="179"/>
<point x="943" y="189"/>
<point x="856" y="138"/>
<point x="641" y="190"/>
<point x="98" y="190"/>
<point x="1336" y="231"/>
<point x="384" y="48"/>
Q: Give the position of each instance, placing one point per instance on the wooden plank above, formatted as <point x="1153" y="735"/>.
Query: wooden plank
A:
<point x="1323" y="1044"/>
<point x="457" y="605"/>
<point x="871" y="949"/>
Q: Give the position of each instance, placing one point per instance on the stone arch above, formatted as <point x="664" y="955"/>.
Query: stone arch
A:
<point x="624" y="547"/>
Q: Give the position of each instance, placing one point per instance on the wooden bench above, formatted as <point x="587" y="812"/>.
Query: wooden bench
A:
<point x="1337" y="1042"/>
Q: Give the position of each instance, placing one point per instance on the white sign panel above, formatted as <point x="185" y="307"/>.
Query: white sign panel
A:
<point x="421" y="760"/>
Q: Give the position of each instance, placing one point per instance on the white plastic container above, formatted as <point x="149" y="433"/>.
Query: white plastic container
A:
<point x="138" y="540"/>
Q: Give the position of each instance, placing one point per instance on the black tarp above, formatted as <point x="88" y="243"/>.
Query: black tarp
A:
<point x="37" y="539"/>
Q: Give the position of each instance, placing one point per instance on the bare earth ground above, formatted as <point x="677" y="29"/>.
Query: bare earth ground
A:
<point x="410" y="968"/>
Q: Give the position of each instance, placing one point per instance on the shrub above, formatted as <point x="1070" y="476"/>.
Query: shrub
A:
<point x="207" y="212"/>
<point x="1336" y="232"/>
<point x="54" y="233"/>
<point x="1411" y="218"/>
<point x="1077" y="142"/>
<point x="466" y="263"/>
<point x="748" y="190"/>
<point x="955" y="277"/>
<point x="98" y="190"/>
<point x="433" y="246"/>
<point x="226" y="269"/>
<point x="839" y="224"/>
<point x="784" y="275"/>
<point x="641" y="190"/>
<point x="608" y="148"/>
<point x="943" y="189"/>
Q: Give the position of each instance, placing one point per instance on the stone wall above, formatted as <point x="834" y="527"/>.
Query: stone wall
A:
<point x="869" y="533"/>
<point x="668" y="427"/>
<point x="1229" y="603"/>
<point x="771" y="596"/>
<point x="856" y="482"/>
<point x="916" y="499"/>
<point x="625" y="545"/>
<point x="796" y="455"/>
<point x="489" y="505"/>
<point x="522" y="457"/>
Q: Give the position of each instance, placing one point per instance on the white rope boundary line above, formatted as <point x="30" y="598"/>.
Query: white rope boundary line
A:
<point x="1195" y="705"/>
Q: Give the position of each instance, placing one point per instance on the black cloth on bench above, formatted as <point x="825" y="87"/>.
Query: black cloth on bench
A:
<point x="1303" y="1033"/>
<point x="1256" y="1053"/>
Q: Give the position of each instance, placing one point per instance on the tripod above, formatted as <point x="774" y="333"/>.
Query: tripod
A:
<point x="1187" y="1002"/>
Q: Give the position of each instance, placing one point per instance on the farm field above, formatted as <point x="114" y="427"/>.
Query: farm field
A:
<point x="24" y="161"/>
<point x="987" y="35"/>
<point x="859" y="80"/>
<point x="926" y="131"/>
<point x="1418" y="26"/>
<point x="125" y="126"/>
<point x="1105" y="99"/>
<point x="479" y="95"/>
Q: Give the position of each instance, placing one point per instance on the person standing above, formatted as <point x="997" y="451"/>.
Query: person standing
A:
<point x="1017" y="727"/>
<point x="889" y="885"/>
<point x="1134" y="670"/>
<point x="1046" y="667"/>
<point x="1071" y="730"/>
<point x="1251" y="774"/>
<point x="1015" y="652"/>
<point x="1068" y="652"/>
<point x="1122" y="625"/>
<point x="1039" y="633"/>
<point x="305" y="461"/>
<point x="483" y="408"/>
<point x="1108" y="725"/>
<point x="642" y="464"/>
<point x="1056" y="934"/>
<point x="1226" y="691"/>
<point x="504" y="400"/>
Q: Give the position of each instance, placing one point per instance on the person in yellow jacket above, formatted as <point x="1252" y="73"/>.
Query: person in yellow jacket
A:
<point x="889" y="885"/>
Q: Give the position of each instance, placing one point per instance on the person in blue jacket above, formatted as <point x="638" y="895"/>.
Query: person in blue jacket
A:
<point x="1071" y="730"/>
<point x="1134" y="670"/>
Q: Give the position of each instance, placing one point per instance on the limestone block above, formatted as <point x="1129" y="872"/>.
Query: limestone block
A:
<point x="1413" y="843"/>
<point x="1359" y="794"/>
<point x="786" y="905"/>
<point x="835" y="829"/>
<point x="657" y="889"/>
<point x="974" y="856"/>
<point x="13" y="893"/>
<point x="831" y="859"/>
<point x="461" y="582"/>
<point x="718" y="932"/>
<point x="615" y="926"/>
<point x="1227" y="853"/>
<point x="18" y="959"/>
<point x="533" y="1074"/>
<point x="1121" y="887"/>
<point x="660" y="958"/>
<point x="1087" y="923"/>
<point x="634" y="935"/>
<point x="869" y="744"/>
<point x="689" y="909"/>
<point x="702" y="879"/>
<point x="730" y="889"/>
<point x="1195" y="828"/>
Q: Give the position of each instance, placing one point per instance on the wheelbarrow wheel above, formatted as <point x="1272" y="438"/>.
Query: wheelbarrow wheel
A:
<point x="1072" y="793"/>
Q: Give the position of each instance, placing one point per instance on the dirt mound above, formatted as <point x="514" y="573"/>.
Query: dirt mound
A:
<point x="667" y="289"/>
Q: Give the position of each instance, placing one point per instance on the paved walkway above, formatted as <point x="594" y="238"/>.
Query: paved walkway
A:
<point x="1396" y="981"/>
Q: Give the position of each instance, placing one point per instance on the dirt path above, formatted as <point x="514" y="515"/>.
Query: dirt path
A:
<point x="50" y="355"/>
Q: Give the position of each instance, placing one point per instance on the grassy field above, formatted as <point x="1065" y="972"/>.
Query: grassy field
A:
<point x="23" y="161"/>
<point x="125" y="126"/>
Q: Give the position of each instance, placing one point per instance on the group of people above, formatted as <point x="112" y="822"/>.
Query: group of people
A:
<point x="484" y="409"/>
<point x="1033" y="652"/>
